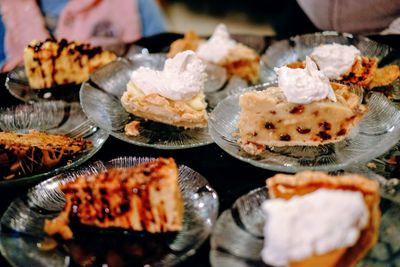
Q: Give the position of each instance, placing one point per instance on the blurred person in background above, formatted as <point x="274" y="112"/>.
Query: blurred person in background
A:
<point x="354" y="16"/>
<point x="99" y="22"/>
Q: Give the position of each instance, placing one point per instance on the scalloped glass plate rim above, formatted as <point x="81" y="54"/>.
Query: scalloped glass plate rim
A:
<point x="133" y="142"/>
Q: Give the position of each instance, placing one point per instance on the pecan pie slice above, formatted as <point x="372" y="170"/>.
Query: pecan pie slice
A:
<point x="287" y="186"/>
<point x="145" y="197"/>
<point x="27" y="154"/>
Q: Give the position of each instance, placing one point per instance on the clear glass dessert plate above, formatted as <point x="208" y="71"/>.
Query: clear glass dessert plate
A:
<point x="101" y="101"/>
<point x="298" y="47"/>
<point x="22" y="225"/>
<point x="238" y="237"/>
<point x="18" y="86"/>
<point x="376" y="133"/>
<point x="53" y="117"/>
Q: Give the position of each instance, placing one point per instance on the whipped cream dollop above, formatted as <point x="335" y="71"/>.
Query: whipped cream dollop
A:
<point x="303" y="86"/>
<point x="182" y="78"/>
<point x="334" y="60"/>
<point x="218" y="46"/>
<point x="313" y="224"/>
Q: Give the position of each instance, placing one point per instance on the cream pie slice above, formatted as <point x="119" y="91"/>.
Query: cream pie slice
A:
<point x="304" y="110"/>
<point x="51" y="63"/>
<point x="220" y="49"/>
<point x="172" y="96"/>
<point x="323" y="220"/>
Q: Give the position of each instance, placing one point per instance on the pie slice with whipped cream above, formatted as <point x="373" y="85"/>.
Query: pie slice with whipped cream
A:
<point x="238" y="59"/>
<point x="329" y="220"/>
<point x="306" y="109"/>
<point x="172" y="96"/>
<point x="345" y="63"/>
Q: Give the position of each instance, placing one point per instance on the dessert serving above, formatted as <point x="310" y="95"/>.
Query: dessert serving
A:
<point x="220" y="49"/>
<point x="306" y="110"/>
<point x="345" y="63"/>
<point x="314" y="219"/>
<point x="145" y="198"/>
<point x="33" y="152"/>
<point x="172" y="96"/>
<point x="52" y="63"/>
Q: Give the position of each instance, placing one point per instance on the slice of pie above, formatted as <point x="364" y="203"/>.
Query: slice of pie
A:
<point x="52" y="63"/>
<point x="268" y="119"/>
<point x="238" y="59"/>
<point x="172" y="96"/>
<point x="188" y="114"/>
<point x="283" y="186"/>
<point x="145" y="197"/>
<point x="27" y="154"/>
<point x="364" y="72"/>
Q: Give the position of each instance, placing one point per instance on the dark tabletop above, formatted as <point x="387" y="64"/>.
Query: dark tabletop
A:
<point x="229" y="176"/>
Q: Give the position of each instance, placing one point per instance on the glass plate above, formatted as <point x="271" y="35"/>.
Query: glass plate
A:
<point x="237" y="239"/>
<point x="100" y="100"/>
<point x="18" y="86"/>
<point x="377" y="132"/>
<point x="54" y="117"/>
<point x="298" y="47"/>
<point x="22" y="223"/>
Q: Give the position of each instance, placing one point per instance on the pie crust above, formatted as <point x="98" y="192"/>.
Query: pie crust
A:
<point x="286" y="186"/>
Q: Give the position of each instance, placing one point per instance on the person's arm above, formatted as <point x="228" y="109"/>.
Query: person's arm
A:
<point x="152" y="19"/>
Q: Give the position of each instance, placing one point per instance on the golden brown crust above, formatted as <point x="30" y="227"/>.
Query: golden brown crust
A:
<point x="362" y="72"/>
<point x="385" y="76"/>
<point x="141" y="198"/>
<point x="286" y="186"/>
<point x="26" y="154"/>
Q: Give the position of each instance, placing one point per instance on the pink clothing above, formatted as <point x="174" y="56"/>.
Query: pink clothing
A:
<point x="100" y="22"/>
<point x="354" y="16"/>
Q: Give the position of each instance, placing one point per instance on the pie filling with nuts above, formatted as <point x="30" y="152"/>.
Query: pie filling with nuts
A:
<point x="349" y="234"/>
